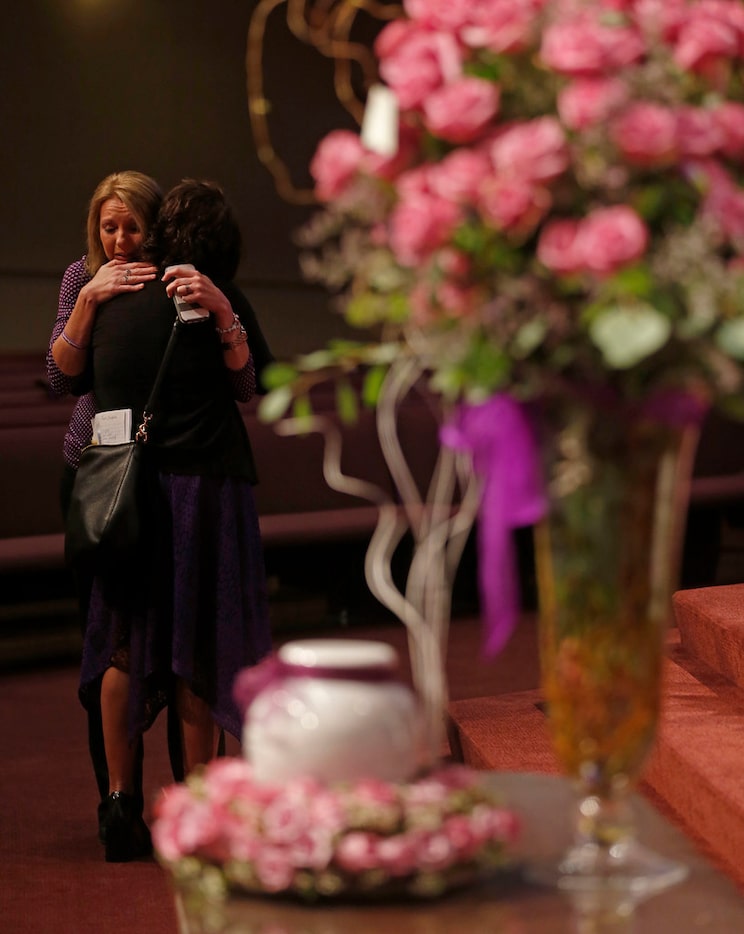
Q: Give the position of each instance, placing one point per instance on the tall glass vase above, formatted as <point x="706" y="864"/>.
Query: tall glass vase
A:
<point x="608" y="557"/>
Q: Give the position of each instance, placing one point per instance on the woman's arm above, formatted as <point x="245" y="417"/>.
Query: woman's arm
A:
<point x="72" y="329"/>
<point x="235" y="323"/>
<point x="74" y="279"/>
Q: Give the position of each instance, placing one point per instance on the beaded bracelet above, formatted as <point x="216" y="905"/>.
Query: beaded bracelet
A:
<point x="71" y="342"/>
<point x="233" y="327"/>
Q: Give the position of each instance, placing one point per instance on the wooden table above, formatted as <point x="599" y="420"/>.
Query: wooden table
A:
<point x="705" y="902"/>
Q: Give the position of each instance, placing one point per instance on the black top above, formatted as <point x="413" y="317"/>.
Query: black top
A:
<point x="196" y="426"/>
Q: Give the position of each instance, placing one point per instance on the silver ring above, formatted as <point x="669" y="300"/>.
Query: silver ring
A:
<point x="126" y="276"/>
<point x="187" y="290"/>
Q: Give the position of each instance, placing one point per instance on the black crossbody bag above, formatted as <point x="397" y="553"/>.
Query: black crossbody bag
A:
<point x="110" y="506"/>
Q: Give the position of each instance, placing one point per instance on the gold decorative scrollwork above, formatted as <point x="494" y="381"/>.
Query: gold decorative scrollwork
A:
<point x="327" y="26"/>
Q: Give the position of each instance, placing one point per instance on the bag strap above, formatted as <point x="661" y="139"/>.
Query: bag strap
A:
<point x="141" y="433"/>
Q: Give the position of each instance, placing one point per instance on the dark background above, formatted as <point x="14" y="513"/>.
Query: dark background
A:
<point x="92" y="86"/>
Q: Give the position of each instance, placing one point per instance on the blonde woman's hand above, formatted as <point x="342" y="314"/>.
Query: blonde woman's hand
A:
<point x="115" y="277"/>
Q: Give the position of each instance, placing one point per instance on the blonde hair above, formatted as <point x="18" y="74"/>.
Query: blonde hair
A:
<point x="140" y="194"/>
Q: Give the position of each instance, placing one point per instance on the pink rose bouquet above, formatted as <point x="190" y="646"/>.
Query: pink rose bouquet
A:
<point x="565" y="204"/>
<point x="222" y="831"/>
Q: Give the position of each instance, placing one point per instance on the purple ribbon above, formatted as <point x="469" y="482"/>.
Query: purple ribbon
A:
<point x="250" y="682"/>
<point x="499" y="438"/>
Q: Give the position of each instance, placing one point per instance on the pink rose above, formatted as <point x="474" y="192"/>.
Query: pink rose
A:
<point x="416" y="183"/>
<point x="285" y="819"/>
<point x="419" y="225"/>
<point x="313" y="850"/>
<point x="535" y="150"/>
<point x="462" y="833"/>
<point x="393" y="36"/>
<point x="663" y="18"/>
<point x="229" y="779"/>
<point x="513" y="204"/>
<point x="459" y="175"/>
<point x="417" y="62"/>
<point x="585" y="47"/>
<point x="274" y="868"/>
<point x="501" y="25"/>
<point x="357" y="851"/>
<point x="730" y="118"/>
<point x="699" y="133"/>
<point x="705" y="39"/>
<point x="170" y="806"/>
<point x="445" y="15"/>
<point x="600" y="243"/>
<point x="610" y="238"/>
<point x="436" y="852"/>
<point x="458" y="111"/>
<point x="587" y="102"/>
<point x="558" y="247"/>
<point x="326" y="811"/>
<point x="197" y="827"/>
<point x="646" y="134"/>
<point x="398" y="854"/>
<point x="335" y="163"/>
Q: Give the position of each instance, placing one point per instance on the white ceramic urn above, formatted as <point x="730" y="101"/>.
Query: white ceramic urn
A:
<point x="336" y="710"/>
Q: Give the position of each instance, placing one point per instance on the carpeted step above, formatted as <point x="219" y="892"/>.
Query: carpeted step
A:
<point x="696" y="766"/>
<point x="711" y="627"/>
<point x="694" y="774"/>
<point x="503" y="733"/>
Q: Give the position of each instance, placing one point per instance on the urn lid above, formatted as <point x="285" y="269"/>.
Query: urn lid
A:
<point x="348" y="654"/>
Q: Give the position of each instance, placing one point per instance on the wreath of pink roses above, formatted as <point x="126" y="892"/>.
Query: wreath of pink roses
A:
<point x="225" y="829"/>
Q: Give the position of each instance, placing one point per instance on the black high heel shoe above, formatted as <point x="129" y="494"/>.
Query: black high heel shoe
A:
<point x="122" y="829"/>
<point x="104" y="810"/>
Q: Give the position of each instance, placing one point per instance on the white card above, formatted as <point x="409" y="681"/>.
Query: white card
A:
<point x="380" y="122"/>
<point x="113" y="427"/>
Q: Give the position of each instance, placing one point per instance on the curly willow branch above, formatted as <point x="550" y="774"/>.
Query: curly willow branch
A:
<point x="439" y="530"/>
<point x="326" y="25"/>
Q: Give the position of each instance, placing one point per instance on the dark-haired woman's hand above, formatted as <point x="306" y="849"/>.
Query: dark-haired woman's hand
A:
<point x="198" y="289"/>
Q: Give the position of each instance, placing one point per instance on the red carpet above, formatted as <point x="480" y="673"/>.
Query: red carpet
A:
<point x="53" y="877"/>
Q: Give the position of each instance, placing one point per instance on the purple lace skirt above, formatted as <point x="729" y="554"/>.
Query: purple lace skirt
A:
<point x="196" y="607"/>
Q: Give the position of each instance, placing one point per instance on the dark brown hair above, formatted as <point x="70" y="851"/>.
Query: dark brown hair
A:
<point x="195" y="224"/>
